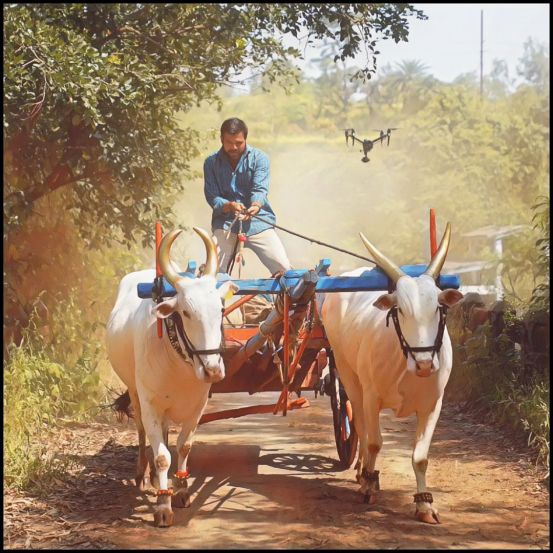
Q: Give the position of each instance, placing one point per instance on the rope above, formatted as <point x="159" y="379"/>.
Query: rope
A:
<point x="313" y="240"/>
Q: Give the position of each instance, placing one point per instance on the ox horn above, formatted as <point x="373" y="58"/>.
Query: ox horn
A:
<point x="437" y="261"/>
<point x="390" y="268"/>
<point x="212" y="260"/>
<point x="164" y="261"/>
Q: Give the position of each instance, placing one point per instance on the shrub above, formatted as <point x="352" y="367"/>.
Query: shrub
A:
<point x="43" y="382"/>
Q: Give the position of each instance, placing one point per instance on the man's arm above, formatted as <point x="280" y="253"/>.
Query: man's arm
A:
<point x="260" y="186"/>
<point x="210" y="189"/>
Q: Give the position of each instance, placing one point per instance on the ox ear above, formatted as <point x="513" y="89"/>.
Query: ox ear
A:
<point x="449" y="297"/>
<point x="166" y="308"/>
<point x="385" y="302"/>
<point x="228" y="289"/>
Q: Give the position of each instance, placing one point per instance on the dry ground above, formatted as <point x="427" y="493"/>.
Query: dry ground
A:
<point x="267" y="481"/>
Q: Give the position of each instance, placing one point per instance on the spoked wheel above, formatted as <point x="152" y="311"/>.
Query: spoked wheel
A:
<point x="342" y="415"/>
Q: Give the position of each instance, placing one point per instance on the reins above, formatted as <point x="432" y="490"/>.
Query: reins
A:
<point x="313" y="240"/>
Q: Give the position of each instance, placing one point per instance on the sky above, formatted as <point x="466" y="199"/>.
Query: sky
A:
<point x="448" y="42"/>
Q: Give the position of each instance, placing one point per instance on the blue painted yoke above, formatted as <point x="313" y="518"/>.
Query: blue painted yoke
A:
<point x="370" y="280"/>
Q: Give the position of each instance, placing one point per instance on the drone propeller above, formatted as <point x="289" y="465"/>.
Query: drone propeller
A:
<point x="350" y="133"/>
<point x="389" y="133"/>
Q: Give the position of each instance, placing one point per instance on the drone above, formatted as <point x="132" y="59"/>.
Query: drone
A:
<point x="368" y="144"/>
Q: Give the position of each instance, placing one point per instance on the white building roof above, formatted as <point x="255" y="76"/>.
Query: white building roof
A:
<point x="492" y="231"/>
<point x="457" y="267"/>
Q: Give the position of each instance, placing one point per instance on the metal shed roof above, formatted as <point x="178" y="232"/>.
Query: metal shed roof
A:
<point x="492" y="231"/>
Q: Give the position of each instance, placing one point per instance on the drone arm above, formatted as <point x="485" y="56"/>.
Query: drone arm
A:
<point x="381" y="138"/>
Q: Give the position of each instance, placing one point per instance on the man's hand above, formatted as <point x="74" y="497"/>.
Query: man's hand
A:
<point x="233" y="207"/>
<point x="253" y="210"/>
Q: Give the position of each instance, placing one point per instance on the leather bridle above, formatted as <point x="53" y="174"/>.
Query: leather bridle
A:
<point x="173" y="325"/>
<point x="405" y="347"/>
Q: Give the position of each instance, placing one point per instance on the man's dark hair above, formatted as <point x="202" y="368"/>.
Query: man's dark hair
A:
<point x="234" y="126"/>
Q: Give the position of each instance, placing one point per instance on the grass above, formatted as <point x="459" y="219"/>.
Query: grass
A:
<point x="488" y="375"/>
<point x="43" y="381"/>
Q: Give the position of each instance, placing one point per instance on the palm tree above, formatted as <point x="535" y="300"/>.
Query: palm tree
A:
<point x="408" y="82"/>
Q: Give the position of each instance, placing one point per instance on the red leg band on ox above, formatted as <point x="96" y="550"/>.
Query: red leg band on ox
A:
<point x="180" y="474"/>
<point x="165" y="492"/>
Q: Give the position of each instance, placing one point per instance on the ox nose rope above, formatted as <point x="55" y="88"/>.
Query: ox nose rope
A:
<point x="405" y="347"/>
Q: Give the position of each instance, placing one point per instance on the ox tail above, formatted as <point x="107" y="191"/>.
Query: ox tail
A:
<point x="122" y="406"/>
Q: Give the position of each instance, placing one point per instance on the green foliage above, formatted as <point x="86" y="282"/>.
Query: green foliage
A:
<point x="541" y="218"/>
<point x="534" y="65"/>
<point x="29" y="380"/>
<point x="527" y="410"/>
<point x="488" y="374"/>
<point x="52" y="374"/>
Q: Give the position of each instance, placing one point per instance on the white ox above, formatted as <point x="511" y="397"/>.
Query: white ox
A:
<point x="375" y="372"/>
<point x="162" y="385"/>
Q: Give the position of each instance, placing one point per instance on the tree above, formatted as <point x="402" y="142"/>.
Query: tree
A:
<point x="407" y="84"/>
<point x="335" y="86"/>
<point x="541" y="220"/>
<point x="534" y="64"/>
<point x="498" y="84"/>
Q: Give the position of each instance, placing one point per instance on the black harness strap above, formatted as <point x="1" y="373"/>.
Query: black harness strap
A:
<point x="173" y="325"/>
<point x="170" y="328"/>
<point x="405" y="347"/>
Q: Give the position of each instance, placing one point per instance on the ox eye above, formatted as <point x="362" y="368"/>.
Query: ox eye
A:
<point x="186" y="314"/>
<point x="399" y="309"/>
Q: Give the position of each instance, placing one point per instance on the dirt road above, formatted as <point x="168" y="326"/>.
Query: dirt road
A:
<point x="267" y="481"/>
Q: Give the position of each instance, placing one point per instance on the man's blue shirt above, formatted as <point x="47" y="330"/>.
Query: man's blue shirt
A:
<point x="247" y="183"/>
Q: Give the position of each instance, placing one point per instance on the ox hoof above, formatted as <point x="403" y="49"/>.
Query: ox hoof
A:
<point x="181" y="499"/>
<point x="163" y="515"/>
<point x="428" y="517"/>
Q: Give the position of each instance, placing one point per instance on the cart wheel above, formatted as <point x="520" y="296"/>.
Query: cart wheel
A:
<point x="344" y="430"/>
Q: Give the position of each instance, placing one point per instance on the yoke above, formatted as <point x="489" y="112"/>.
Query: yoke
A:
<point x="371" y="280"/>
